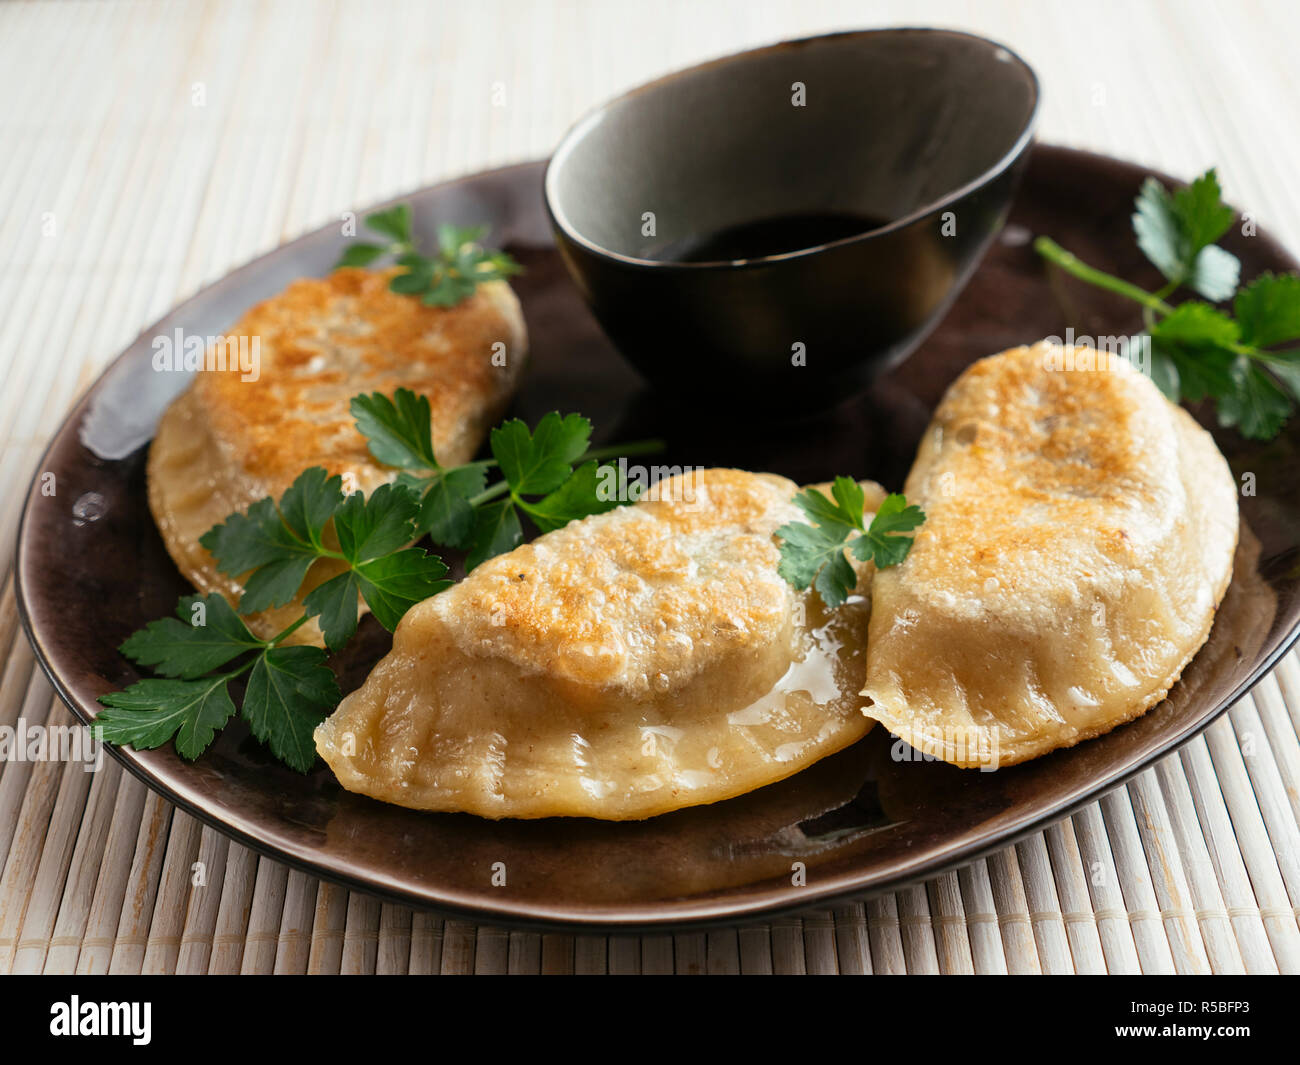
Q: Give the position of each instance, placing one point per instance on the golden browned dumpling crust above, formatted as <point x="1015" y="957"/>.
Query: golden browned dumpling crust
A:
<point x="227" y="442"/>
<point x="1079" y="537"/>
<point x="629" y="664"/>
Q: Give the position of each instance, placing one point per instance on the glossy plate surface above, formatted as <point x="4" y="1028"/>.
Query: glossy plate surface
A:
<point x="91" y="569"/>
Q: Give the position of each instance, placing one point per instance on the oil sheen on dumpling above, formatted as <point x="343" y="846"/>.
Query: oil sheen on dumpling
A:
<point x="629" y="664"/>
<point x="1079" y="537"/>
<point x="226" y="443"/>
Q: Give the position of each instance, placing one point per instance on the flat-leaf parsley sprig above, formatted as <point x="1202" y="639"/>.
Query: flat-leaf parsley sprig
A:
<point x="276" y="547"/>
<point x="813" y="554"/>
<point x="442" y="280"/>
<point x="362" y="548"/>
<point x="289" y="690"/>
<point x="273" y="547"/>
<point x="550" y="474"/>
<point x="1199" y="351"/>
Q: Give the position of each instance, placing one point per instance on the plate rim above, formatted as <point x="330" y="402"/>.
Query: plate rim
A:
<point x="606" y="918"/>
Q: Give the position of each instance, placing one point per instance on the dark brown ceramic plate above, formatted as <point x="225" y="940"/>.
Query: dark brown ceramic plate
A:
<point x="91" y="568"/>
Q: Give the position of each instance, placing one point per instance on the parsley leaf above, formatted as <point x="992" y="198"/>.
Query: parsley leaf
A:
<point x="463" y="263"/>
<point x="457" y="508"/>
<point x="290" y="690"/>
<point x="1215" y="274"/>
<point x="1177" y="233"/>
<point x="576" y="498"/>
<point x="394" y="223"/>
<point x="883" y="542"/>
<point x="392" y="584"/>
<point x="1200" y="352"/>
<point x="399" y="431"/>
<point x="334" y="605"/>
<point x="372" y="534"/>
<point x="274" y="546"/>
<point x="150" y="712"/>
<point x="1197" y="323"/>
<point x="443" y="280"/>
<point x="255" y="539"/>
<point x="496" y="531"/>
<point x="539" y="462"/>
<point x="207" y="635"/>
<point x="1268" y="310"/>
<point x="309" y="503"/>
<point x="846" y="510"/>
<point x="1198" y="340"/>
<point x="814" y="554"/>
<point x="1255" y="404"/>
<point x="369" y="527"/>
<point x="447" y="514"/>
<point x="1164" y="374"/>
<point x="360" y="254"/>
<point x="1285" y="366"/>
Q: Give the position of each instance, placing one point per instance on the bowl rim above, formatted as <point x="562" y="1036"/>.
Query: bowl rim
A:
<point x="579" y="130"/>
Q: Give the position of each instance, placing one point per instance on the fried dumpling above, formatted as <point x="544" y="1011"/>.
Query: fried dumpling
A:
<point x="628" y="664"/>
<point x="227" y="442"/>
<point x="1079" y="537"/>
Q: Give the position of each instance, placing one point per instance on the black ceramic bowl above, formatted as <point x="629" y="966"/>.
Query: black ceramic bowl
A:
<point x="877" y="165"/>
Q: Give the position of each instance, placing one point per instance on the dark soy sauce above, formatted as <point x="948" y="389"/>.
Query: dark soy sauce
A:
<point x="767" y="236"/>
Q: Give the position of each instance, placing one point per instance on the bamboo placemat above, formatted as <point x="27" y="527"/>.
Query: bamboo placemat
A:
<point x="146" y="149"/>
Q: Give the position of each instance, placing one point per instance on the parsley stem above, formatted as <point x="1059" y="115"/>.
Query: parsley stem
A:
<point x="1166" y="290"/>
<point x="1071" y="264"/>
<point x="284" y="633"/>
<point x="221" y="678"/>
<point x="1151" y="301"/>
<point x="635" y="447"/>
<point x="500" y="488"/>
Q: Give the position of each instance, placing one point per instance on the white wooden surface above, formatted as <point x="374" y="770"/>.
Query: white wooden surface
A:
<point x="145" y="149"/>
